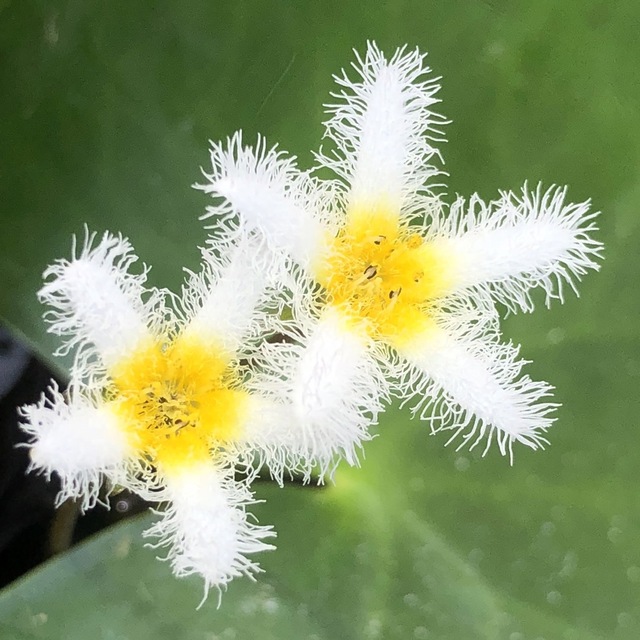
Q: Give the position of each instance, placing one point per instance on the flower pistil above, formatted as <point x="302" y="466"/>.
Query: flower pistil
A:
<point x="178" y="401"/>
<point x="383" y="274"/>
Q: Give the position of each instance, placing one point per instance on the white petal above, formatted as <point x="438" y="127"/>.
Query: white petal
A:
<point x="206" y="527"/>
<point x="382" y="127"/>
<point x="333" y="388"/>
<point x="474" y="385"/>
<point x="268" y="192"/>
<point x="95" y="302"/>
<point x="81" y="443"/>
<point x="268" y="435"/>
<point x="223" y="301"/>
<point x="516" y="244"/>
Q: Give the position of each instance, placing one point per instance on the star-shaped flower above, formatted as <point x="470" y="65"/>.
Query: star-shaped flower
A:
<point x="394" y="280"/>
<point x="161" y="400"/>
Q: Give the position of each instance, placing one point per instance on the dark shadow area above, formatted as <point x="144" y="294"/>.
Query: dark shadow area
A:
<point x="31" y="528"/>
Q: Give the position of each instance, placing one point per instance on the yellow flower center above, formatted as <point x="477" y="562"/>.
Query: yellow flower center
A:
<point x="178" y="402"/>
<point x="381" y="272"/>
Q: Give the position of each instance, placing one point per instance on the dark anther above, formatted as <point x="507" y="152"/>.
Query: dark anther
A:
<point x="379" y="239"/>
<point x="370" y="272"/>
<point x="395" y="293"/>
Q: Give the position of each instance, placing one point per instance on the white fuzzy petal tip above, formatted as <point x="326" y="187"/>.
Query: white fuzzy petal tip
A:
<point x="474" y="387"/>
<point x="333" y="390"/>
<point x="517" y="244"/>
<point x="383" y="125"/>
<point x="206" y="527"/>
<point x="269" y="193"/>
<point x="225" y="302"/>
<point x="80" y="443"/>
<point x="96" y="303"/>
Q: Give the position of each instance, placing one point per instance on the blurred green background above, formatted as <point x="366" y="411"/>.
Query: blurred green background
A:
<point x="105" y="112"/>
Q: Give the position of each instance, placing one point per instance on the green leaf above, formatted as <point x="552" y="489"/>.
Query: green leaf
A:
<point x="360" y="559"/>
<point x="353" y="562"/>
<point x="106" y="108"/>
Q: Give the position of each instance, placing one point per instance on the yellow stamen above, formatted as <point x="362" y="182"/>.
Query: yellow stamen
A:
<point x="177" y="401"/>
<point x="382" y="273"/>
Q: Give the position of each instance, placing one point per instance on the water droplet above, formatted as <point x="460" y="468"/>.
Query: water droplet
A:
<point x="547" y="529"/>
<point x="476" y="556"/>
<point x="39" y="619"/>
<point x="270" y="605"/>
<point x="614" y="534"/>
<point x="618" y="521"/>
<point x="633" y="368"/>
<point x="51" y="33"/>
<point x="554" y="597"/>
<point x="461" y="463"/>
<point x="625" y="619"/>
<point x="186" y="125"/>
<point x="122" y="547"/>
<point x="556" y="335"/>
<point x="373" y="628"/>
<point x="569" y="565"/>
<point x="411" y="600"/>
<point x="429" y="608"/>
<point x="633" y="574"/>
<point x="495" y="49"/>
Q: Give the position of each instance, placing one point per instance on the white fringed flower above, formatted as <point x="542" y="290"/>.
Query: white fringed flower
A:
<point x="206" y="527"/>
<point x="161" y="400"/>
<point x="400" y="282"/>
